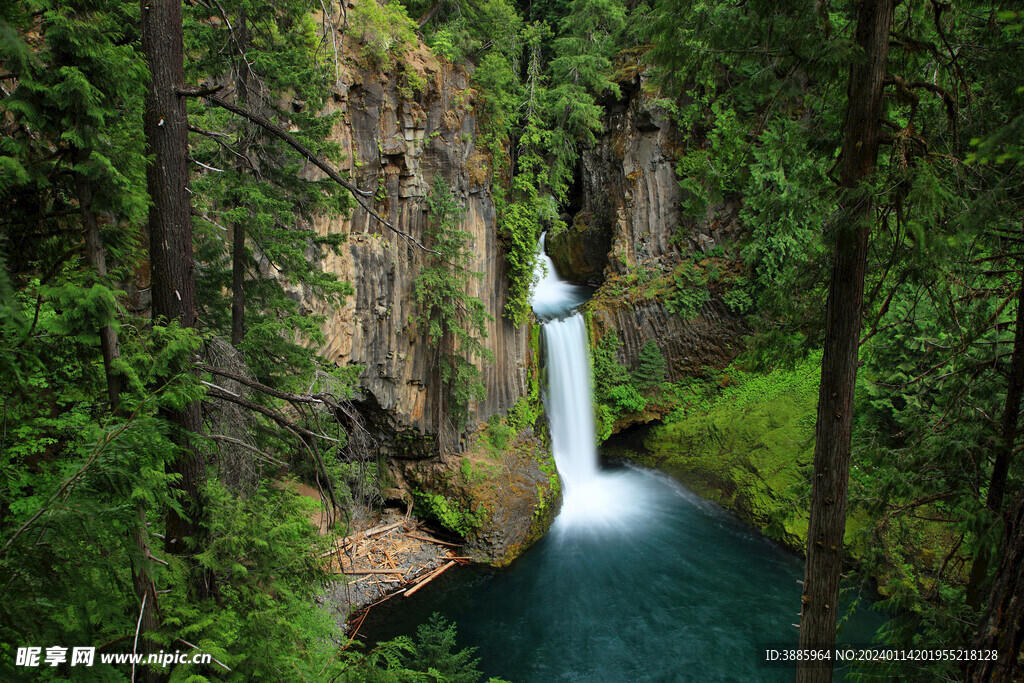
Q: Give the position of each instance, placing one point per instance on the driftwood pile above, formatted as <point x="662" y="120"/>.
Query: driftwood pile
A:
<point x="400" y="557"/>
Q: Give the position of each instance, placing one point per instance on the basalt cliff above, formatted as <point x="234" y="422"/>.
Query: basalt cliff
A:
<point x="624" y="214"/>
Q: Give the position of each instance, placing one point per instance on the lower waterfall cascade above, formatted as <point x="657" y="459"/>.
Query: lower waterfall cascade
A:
<point x="592" y="499"/>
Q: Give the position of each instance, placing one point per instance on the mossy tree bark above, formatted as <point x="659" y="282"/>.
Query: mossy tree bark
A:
<point x="844" y="310"/>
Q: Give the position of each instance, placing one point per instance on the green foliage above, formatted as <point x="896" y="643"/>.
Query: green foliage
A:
<point x="764" y="86"/>
<point x="737" y="297"/>
<point x="433" y="653"/>
<point x="652" y="367"/>
<point x="581" y="69"/>
<point x="746" y="441"/>
<point x="450" y="513"/>
<point x="523" y="414"/>
<point x="520" y="225"/>
<point x="451" y="319"/>
<point x="690" y="293"/>
<point x="264" y="550"/>
<point x="762" y="119"/>
<point x="465" y="386"/>
<point x="386" y="31"/>
<point x="615" y="391"/>
<point x="497" y="436"/>
<point x="62" y="510"/>
<point x="79" y="478"/>
<point x="259" y="186"/>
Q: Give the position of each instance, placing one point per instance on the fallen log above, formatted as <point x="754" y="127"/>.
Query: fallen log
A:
<point x="357" y="572"/>
<point x="371" y="532"/>
<point x="430" y="577"/>
<point x="430" y="539"/>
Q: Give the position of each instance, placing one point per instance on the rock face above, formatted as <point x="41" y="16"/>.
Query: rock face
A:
<point x="512" y="494"/>
<point x="580" y="252"/>
<point x="395" y="145"/>
<point x="629" y="201"/>
<point x="711" y="340"/>
<point x="628" y="193"/>
<point x="396" y="140"/>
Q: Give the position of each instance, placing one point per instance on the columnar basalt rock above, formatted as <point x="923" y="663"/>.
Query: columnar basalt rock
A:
<point x="627" y="196"/>
<point x="394" y="145"/>
<point x="395" y="140"/>
<point x="710" y="340"/>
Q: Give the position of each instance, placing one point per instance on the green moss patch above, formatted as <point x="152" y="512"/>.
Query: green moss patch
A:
<point x="747" y="442"/>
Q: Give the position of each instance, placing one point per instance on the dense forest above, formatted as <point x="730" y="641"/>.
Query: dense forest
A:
<point x="822" y="332"/>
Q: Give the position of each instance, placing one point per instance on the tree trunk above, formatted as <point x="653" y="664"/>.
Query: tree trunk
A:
<point x="145" y="590"/>
<point x="170" y="243"/>
<point x="238" y="229"/>
<point x="98" y="262"/>
<point x="1004" y="454"/>
<point x="1002" y="627"/>
<point x="843" y="313"/>
<point x="138" y="538"/>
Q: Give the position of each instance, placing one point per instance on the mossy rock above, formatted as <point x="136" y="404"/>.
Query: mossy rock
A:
<point x="580" y="252"/>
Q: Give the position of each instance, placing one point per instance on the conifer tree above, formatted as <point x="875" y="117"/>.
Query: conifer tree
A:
<point x="652" y="366"/>
<point x="581" y="71"/>
<point x="252" y="183"/>
<point x="454" y="322"/>
<point x="833" y="431"/>
<point x="74" y="147"/>
<point x="171" y="258"/>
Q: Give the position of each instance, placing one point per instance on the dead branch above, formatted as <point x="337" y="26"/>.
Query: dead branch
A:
<point x="431" y="539"/>
<point x="936" y="90"/>
<point x="260" y="454"/>
<point x="305" y="436"/>
<point x="306" y="153"/>
<point x="323" y="398"/>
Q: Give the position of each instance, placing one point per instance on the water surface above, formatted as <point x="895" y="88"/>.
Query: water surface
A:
<point x="684" y="592"/>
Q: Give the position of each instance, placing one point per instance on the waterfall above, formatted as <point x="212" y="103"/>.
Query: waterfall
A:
<point x="591" y="499"/>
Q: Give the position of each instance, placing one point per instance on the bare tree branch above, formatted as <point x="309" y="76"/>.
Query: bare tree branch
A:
<point x="306" y="153"/>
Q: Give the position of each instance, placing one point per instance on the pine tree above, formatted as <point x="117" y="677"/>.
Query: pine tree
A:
<point x="581" y="71"/>
<point x="652" y="367"/>
<point x="255" y="205"/>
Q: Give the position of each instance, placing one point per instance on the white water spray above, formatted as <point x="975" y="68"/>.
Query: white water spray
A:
<point x="591" y="499"/>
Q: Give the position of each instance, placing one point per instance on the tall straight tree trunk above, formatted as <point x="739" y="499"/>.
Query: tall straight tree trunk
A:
<point x="170" y="242"/>
<point x="843" y="313"/>
<point x="98" y="262"/>
<point x="1002" y="626"/>
<point x="138" y="537"/>
<point x="238" y="234"/>
<point x="1004" y="453"/>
